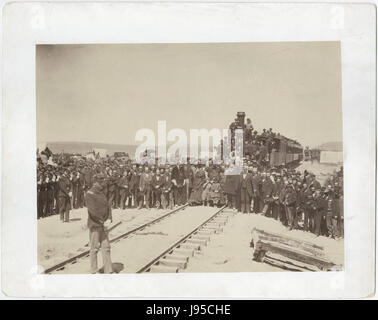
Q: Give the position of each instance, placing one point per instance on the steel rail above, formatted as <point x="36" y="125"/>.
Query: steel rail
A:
<point x="86" y="253"/>
<point x="176" y="244"/>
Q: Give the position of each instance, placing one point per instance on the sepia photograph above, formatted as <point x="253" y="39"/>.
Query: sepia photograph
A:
<point x="190" y="157"/>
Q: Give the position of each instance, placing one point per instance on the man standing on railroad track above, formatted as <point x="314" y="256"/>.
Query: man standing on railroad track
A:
<point x="99" y="218"/>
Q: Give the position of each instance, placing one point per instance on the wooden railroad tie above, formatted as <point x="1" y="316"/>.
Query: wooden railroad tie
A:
<point x="288" y="252"/>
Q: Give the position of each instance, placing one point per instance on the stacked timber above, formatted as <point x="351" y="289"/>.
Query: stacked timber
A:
<point x="289" y="253"/>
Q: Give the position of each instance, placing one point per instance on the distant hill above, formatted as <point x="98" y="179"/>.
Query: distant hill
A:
<point x="85" y="147"/>
<point x="331" y="146"/>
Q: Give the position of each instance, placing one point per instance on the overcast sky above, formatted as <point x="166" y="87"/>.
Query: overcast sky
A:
<point x="105" y="93"/>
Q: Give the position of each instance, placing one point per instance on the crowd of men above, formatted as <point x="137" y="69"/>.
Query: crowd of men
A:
<point x="296" y="199"/>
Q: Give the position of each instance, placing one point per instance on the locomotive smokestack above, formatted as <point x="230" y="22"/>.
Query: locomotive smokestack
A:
<point x="241" y="116"/>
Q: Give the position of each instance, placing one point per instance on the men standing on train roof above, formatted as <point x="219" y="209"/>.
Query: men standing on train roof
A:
<point x="254" y="136"/>
<point x="99" y="218"/>
<point x="234" y="125"/>
<point x="248" y="130"/>
<point x="263" y="152"/>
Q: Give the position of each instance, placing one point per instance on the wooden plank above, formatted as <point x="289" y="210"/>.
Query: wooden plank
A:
<point x="295" y="244"/>
<point x="280" y="264"/>
<point x="274" y="237"/>
<point x="287" y="238"/>
<point x="290" y="249"/>
<point x="295" y="254"/>
<point x="290" y="262"/>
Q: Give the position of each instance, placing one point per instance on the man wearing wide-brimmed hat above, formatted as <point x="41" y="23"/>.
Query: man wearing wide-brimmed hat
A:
<point x="99" y="218"/>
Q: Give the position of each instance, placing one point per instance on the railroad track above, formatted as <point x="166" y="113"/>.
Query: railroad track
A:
<point x="177" y="255"/>
<point x="61" y="265"/>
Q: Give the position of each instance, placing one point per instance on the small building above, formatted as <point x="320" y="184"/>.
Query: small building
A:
<point x="331" y="157"/>
<point x="331" y="153"/>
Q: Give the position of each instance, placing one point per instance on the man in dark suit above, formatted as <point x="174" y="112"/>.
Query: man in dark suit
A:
<point x="332" y="215"/>
<point x="64" y="196"/>
<point x="290" y="204"/>
<point x="167" y="193"/>
<point x="76" y="186"/>
<point x="134" y="184"/>
<point x="39" y="192"/>
<point x="123" y="185"/>
<point x="275" y="196"/>
<point x="319" y="206"/>
<point x="309" y="222"/>
<point x="246" y="191"/>
<point x="112" y="182"/>
<point x="157" y="187"/>
<point x="189" y="175"/>
<point x="145" y="186"/>
<point x="99" y="218"/>
<point x="43" y="194"/>
<point x="88" y="173"/>
<point x="178" y="180"/>
<point x="56" y="191"/>
<point x="256" y="182"/>
<point x="267" y="190"/>
<point x="50" y="194"/>
<point x="80" y="197"/>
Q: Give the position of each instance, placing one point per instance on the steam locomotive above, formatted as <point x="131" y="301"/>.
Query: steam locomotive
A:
<point x="280" y="150"/>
